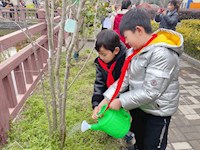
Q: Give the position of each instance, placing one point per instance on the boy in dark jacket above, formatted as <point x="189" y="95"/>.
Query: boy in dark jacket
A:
<point x="112" y="54"/>
<point x="111" y="58"/>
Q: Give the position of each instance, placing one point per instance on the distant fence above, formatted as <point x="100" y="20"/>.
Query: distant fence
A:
<point x="20" y="14"/>
<point x="20" y="73"/>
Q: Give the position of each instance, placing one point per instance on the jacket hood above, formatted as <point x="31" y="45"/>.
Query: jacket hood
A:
<point x="169" y="39"/>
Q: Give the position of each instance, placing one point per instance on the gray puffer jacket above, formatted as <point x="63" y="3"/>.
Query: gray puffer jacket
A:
<point x="152" y="76"/>
<point x="169" y="21"/>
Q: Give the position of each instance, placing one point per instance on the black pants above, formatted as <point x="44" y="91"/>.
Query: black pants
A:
<point x="150" y="131"/>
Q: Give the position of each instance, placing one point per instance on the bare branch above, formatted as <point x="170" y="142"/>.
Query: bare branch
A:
<point x="95" y="24"/>
<point x="68" y="59"/>
<point x="84" y="65"/>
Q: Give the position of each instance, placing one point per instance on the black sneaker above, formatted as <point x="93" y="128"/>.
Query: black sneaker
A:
<point x="128" y="138"/>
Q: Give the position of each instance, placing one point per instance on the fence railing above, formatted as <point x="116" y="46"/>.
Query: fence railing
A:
<point x="20" y="73"/>
<point x="20" y="14"/>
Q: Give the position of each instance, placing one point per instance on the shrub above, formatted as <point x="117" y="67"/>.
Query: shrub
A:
<point x="192" y="23"/>
<point x="189" y="14"/>
<point x="191" y="33"/>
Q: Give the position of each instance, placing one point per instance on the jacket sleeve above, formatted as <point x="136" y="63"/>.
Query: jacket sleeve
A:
<point x="158" y="18"/>
<point x="159" y="74"/>
<point x="171" y="19"/>
<point x="99" y="87"/>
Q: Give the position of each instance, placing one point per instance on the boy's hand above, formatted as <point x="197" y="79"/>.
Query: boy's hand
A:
<point x="115" y="104"/>
<point x="95" y="111"/>
<point x="160" y="10"/>
<point x="98" y="108"/>
<point x="164" y="13"/>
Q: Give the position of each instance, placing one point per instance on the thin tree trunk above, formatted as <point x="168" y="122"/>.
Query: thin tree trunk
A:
<point x="58" y="57"/>
<point x="50" y="64"/>
<point x="68" y="60"/>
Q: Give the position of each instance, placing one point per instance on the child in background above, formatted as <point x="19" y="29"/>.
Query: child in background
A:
<point x="151" y="78"/>
<point x="126" y="6"/>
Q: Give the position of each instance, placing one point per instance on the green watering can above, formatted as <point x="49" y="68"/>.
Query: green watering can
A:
<point x="115" y="123"/>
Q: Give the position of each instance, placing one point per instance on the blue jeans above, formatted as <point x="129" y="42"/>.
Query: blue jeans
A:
<point x="150" y="131"/>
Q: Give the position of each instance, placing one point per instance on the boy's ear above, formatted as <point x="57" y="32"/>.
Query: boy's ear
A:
<point x="140" y="29"/>
<point x="116" y="50"/>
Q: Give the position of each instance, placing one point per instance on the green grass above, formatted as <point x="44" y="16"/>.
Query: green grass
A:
<point x="6" y="31"/>
<point x="30" y="130"/>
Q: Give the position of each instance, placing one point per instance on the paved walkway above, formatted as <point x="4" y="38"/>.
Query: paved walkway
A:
<point x="184" y="132"/>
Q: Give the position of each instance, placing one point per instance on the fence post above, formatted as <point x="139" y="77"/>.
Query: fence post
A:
<point x="1" y="14"/>
<point x="16" y="13"/>
<point x="41" y="15"/>
<point x="4" y="115"/>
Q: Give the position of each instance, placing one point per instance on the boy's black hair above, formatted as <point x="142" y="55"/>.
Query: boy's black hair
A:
<point x="125" y="4"/>
<point x="135" y="17"/>
<point x="175" y="3"/>
<point x="109" y="39"/>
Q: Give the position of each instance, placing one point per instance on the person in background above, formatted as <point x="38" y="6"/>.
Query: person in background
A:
<point x="10" y="5"/>
<point x="4" y="3"/>
<point x="35" y="2"/>
<point x="22" y="3"/>
<point x="168" y="18"/>
<point x="106" y="22"/>
<point x="126" y="5"/>
<point x="1" y="4"/>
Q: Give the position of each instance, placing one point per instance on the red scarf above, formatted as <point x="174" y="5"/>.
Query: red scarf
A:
<point x="125" y="66"/>
<point x="110" y="79"/>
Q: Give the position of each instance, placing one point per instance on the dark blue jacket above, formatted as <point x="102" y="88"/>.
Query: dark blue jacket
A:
<point x="169" y="21"/>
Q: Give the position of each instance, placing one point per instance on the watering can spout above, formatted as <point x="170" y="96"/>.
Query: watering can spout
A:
<point x="85" y="126"/>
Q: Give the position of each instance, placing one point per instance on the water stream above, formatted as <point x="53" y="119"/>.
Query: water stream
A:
<point x="75" y="128"/>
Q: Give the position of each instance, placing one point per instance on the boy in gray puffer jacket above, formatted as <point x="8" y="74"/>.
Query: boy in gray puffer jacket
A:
<point x="151" y="76"/>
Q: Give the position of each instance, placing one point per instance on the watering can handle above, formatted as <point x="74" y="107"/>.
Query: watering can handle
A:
<point x="103" y="109"/>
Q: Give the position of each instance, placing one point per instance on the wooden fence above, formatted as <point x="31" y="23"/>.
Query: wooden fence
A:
<point x="20" y="73"/>
<point x="20" y="14"/>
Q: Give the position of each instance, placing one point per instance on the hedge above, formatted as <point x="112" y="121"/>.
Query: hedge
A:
<point x="183" y="13"/>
